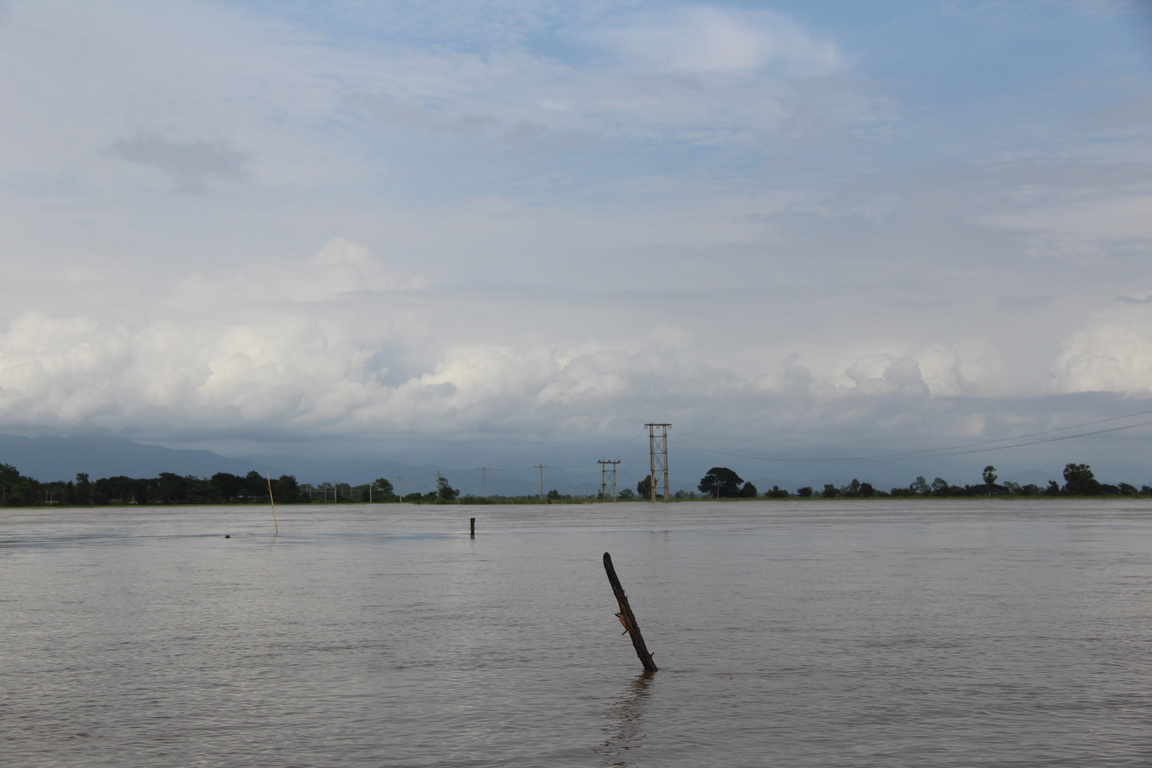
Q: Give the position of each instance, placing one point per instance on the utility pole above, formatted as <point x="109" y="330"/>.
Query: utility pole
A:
<point x="658" y="452"/>
<point x="484" y="482"/>
<point x="540" y="467"/>
<point x="604" y="463"/>
<point x="400" y="485"/>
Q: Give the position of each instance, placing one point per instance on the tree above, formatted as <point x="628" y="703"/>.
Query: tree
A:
<point x="286" y="490"/>
<point x="444" y="491"/>
<point x="804" y="491"/>
<point x="255" y="485"/>
<point x="989" y="475"/>
<point x="198" y="491"/>
<point x="830" y="491"/>
<point x="227" y="486"/>
<point x="1079" y="481"/>
<point x="83" y="489"/>
<point x="626" y="493"/>
<point x="748" y="491"/>
<point x="172" y="488"/>
<point x="644" y="488"/>
<point x="779" y="493"/>
<point x="920" y="486"/>
<point x="721" y="483"/>
<point x="17" y="490"/>
<point x="382" y="489"/>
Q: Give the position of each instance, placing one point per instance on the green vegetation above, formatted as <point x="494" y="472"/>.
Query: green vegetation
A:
<point x="222" y="488"/>
<point x="644" y="488"/>
<point x="17" y="490"/>
<point x="443" y="493"/>
<point x="721" y="482"/>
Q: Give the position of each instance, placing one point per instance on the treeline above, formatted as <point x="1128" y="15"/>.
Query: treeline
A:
<point x="16" y="490"/>
<point x="1079" y="480"/>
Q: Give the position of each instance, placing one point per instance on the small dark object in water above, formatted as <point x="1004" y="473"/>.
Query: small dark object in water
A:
<point x="227" y="536"/>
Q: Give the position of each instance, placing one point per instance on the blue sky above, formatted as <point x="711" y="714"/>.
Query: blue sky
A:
<point x="504" y="233"/>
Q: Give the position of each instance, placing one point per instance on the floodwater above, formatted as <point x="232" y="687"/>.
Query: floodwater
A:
<point x="787" y="633"/>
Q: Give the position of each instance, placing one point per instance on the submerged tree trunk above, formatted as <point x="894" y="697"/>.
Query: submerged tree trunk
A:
<point x="627" y="618"/>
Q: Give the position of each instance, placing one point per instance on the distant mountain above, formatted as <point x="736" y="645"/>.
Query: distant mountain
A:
<point x="49" y="459"/>
<point x="60" y="458"/>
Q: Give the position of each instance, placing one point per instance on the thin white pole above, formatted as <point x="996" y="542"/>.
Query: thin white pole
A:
<point x="272" y="499"/>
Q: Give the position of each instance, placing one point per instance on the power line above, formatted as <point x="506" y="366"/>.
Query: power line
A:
<point x="917" y="454"/>
<point x="945" y="452"/>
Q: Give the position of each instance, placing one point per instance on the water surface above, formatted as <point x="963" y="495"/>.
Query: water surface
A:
<point x="787" y="633"/>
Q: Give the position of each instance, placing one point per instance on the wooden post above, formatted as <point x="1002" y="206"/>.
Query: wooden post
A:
<point x="473" y="522"/>
<point x="627" y="618"/>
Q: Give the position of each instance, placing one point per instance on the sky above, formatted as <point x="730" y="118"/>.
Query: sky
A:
<point x="821" y="240"/>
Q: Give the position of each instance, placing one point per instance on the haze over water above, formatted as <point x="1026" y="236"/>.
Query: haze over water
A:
<point x="790" y="634"/>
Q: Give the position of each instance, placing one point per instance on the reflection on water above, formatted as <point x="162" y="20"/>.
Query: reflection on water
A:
<point x="625" y="727"/>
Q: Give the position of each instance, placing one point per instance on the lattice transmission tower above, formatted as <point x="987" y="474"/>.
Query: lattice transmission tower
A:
<point x="605" y="473"/>
<point x="658" y="451"/>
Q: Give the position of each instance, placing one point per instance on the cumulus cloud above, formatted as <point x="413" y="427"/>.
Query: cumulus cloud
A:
<point x="1112" y="354"/>
<point x="340" y="267"/>
<point x="320" y="353"/>
<point x="60" y="369"/>
<point x="878" y="375"/>
<point x="926" y="370"/>
<point x="300" y="366"/>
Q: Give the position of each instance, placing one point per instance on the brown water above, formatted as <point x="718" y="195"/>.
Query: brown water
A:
<point x="788" y="634"/>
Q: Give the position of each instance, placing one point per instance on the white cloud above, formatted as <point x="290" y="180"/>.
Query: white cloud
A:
<point x="225" y="357"/>
<point x="340" y="268"/>
<point x="1112" y="354"/>
<point x="878" y="376"/>
<point x="712" y="39"/>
